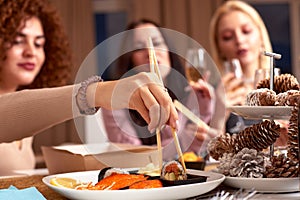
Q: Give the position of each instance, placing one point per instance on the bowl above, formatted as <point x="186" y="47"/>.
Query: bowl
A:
<point x="198" y="165"/>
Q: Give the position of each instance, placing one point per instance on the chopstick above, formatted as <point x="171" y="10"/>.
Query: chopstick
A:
<point x="179" y="151"/>
<point x="159" y="148"/>
<point x="189" y="114"/>
<point x="211" y="132"/>
<point x="154" y="68"/>
<point x="153" y="61"/>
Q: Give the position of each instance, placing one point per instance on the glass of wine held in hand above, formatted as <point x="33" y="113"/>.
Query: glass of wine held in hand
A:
<point x="195" y="65"/>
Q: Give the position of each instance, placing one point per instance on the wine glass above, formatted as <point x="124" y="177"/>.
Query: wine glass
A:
<point x="234" y="66"/>
<point x="195" y="65"/>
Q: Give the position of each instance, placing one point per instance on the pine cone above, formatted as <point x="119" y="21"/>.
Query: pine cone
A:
<point x="220" y="145"/>
<point x="282" y="83"/>
<point x="261" y="97"/>
<point x="224" y="165"/>
<point x="258" y="136"/>
<point x="293" y="131"/>
<point x="288" y="98"/>
<point x="247" y="163"/>
<point x="282" y="166"/>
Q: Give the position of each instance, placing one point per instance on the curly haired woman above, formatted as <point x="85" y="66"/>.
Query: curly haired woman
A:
<point x="35" y="62"/>
<point x="32" y="30"/>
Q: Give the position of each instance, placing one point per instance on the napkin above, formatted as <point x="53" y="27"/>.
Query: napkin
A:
<point x="13" y="193"/>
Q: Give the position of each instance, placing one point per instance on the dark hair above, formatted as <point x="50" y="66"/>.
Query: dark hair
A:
<point x="124" y="63"/>
<point x="56" y="68"/>
<point x="175" y="81"/>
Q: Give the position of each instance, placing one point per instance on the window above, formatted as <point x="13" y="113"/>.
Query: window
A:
<point x="111" y="17"/>
<point x="282" y="21"/>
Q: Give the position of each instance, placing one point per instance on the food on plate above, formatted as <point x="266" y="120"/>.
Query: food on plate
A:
<point x="115" y="182"/>
<point x="173" y="171"/>
<point x="64" y="182"/>
<point x="116" y="179"/>
<point x="109" y="171"/>
<point x="147" y="184"/>
<point x="261" y="97"/>
<point x="192" y="157"/>
<point x="193" y="161"/>
<point x="150" y="170"/>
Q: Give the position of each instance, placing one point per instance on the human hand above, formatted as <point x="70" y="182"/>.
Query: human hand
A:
<point x="202" y="132"/>
<point x="142" y="93"/>
<point x="204" y="87"/>
<point x="235" y="90"/>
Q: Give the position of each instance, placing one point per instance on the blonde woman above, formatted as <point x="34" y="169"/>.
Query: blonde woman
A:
<point x="226" y="38"/>
<point x="238" y="32"/>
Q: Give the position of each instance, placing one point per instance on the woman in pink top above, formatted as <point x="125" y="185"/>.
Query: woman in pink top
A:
<point x="125" y="126"/>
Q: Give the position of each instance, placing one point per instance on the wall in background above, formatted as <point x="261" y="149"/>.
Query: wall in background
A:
<point x="191" y="17"/>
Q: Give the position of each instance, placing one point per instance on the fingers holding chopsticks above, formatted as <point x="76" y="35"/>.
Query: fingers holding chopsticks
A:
<point x="154" y="68"/>
<point x="166" y="112"/>
<point x="144" y="93"/>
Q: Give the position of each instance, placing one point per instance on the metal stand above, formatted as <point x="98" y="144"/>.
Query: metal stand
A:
<point x="272" y="57"/>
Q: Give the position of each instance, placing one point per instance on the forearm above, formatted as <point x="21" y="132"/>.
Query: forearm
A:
<point x="28" y="112"/>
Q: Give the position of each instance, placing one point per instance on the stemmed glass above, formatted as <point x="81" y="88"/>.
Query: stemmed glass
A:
<point x="234" y="66"/>
<point x="195" y="65"/>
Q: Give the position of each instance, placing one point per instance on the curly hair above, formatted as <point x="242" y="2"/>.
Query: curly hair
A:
<point x="56" y="68"/>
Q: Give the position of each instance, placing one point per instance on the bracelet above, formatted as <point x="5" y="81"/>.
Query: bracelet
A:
<point x="81" y="100"/>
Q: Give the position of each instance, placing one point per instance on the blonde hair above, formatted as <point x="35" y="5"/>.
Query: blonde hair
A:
<point x="234" y="5"/>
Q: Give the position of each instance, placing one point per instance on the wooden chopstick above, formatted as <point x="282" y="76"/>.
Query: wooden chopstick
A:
<point x="151" y="56"/>
<point x="211" y="132"/>
<point x="153" y="61"/>
<point x="189" y="114"/>
<point x="154" y="68"/>
<point x="178" y="148"/>
<point x="159" y="148"/>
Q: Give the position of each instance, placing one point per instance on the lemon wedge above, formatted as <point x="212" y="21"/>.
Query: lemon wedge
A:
<point x="64" y="182"/>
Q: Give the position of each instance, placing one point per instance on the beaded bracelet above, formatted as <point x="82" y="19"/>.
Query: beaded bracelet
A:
<point x="81" y="100"/>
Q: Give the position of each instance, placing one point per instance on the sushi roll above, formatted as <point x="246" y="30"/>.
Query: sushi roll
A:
<point x="173" y="171"/>
<point x="109" y="171"/>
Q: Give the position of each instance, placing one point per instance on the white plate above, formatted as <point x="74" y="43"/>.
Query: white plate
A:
<point x="263" y="112"/>
<point x="167" y="193"/>
<point x="268" y="185"/>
